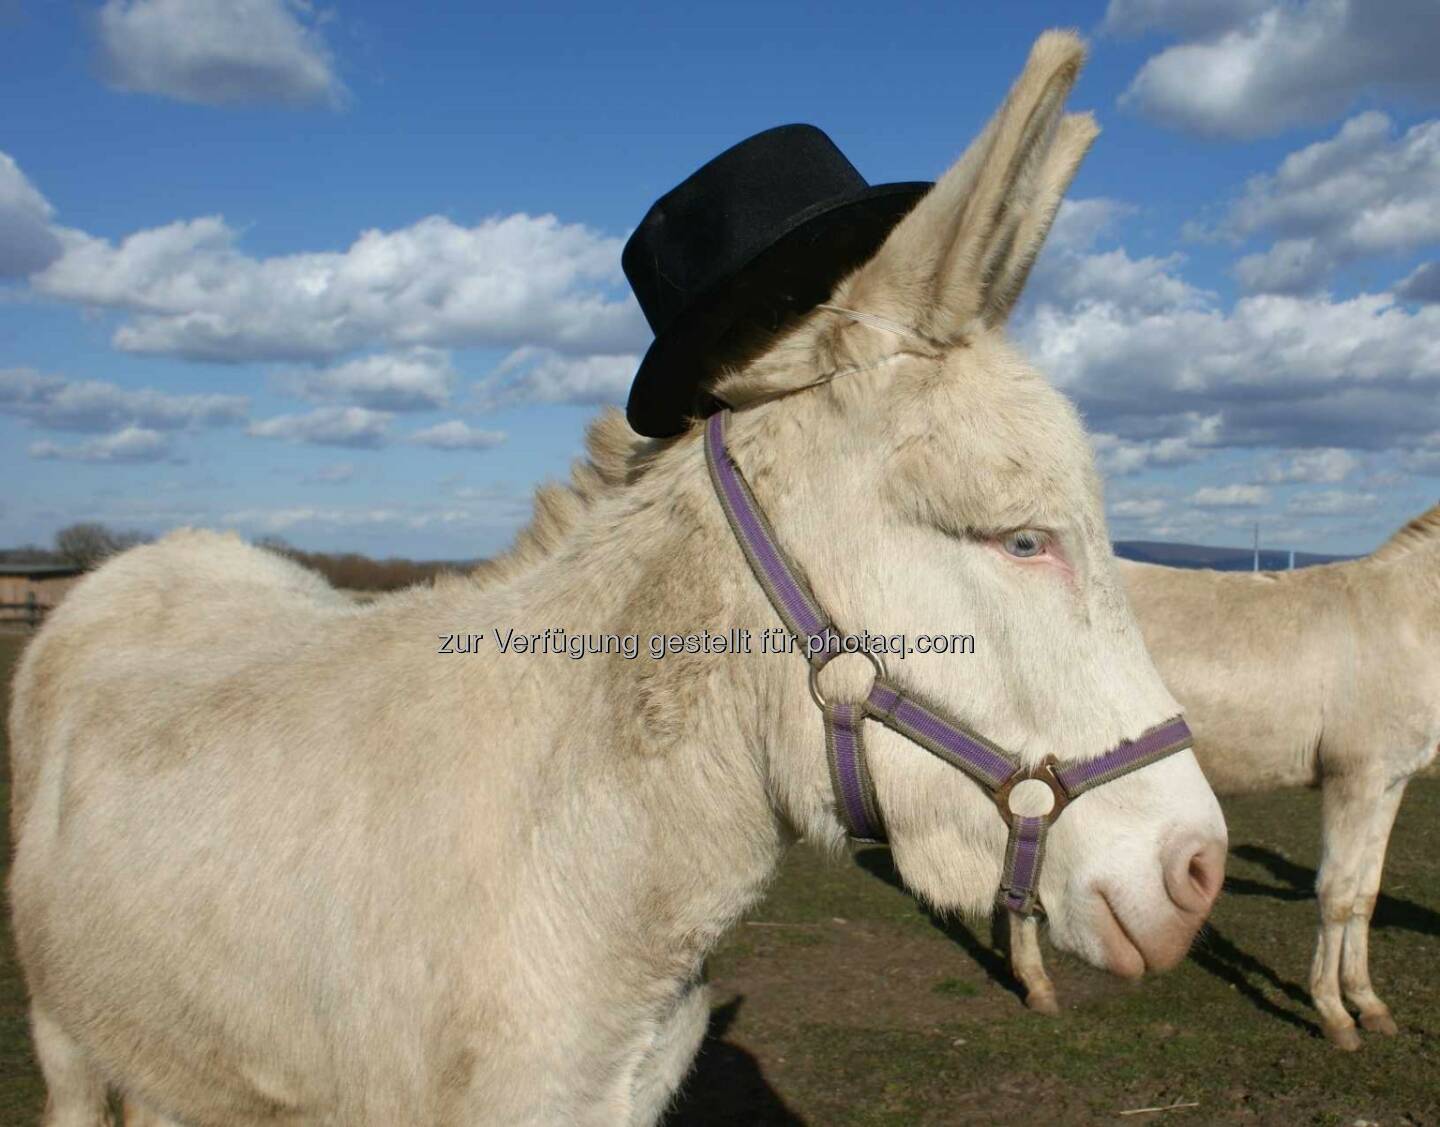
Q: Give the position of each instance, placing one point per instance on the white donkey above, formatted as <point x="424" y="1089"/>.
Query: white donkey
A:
<point x="278" y="861"/>
<point x="1327" y="675"/>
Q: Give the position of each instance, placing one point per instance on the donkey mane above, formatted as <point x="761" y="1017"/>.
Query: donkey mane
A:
<point x="1422" y="532"/>
<point x="615" y="456"/>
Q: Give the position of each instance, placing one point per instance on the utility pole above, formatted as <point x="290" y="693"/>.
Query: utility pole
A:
<point x="1292" y="559"/>
<point x="1257" y="545"/>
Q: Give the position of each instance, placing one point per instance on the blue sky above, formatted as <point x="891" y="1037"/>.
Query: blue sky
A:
<point x="349" y="273"/>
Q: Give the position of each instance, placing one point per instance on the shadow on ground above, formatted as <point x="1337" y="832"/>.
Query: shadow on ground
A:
<point x="1255" y="981"/>
<point x="727" y="1085"/>
<point x="1214" y="952"/>
<point x="989" y="957"/>
<point x="1299" y="884"/>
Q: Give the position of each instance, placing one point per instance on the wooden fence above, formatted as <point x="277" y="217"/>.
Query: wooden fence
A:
<point x="31" y="612"/>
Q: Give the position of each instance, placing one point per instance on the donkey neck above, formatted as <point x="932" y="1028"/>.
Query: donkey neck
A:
<point x="1403" y="589"/>
<point x="672" y="753"/>
<point x="1420" y="561"/>
<point x="655" y="559"/>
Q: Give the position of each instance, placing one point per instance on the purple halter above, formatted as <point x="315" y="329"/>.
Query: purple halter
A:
<point x="994" y="768"/>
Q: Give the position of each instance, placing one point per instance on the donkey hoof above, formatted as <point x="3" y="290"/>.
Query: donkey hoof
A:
<point x="1380" y="1022"/>
<point x="1345" y="1037"/>
<point x="1042" y="1002"/>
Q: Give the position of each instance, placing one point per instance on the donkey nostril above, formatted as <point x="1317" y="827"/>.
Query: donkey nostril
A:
<point x="1200" y="873"/>
<point x="1195" y="881"/>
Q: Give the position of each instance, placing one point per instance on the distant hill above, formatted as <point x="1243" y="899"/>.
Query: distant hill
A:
<point x="1221" y="559"/>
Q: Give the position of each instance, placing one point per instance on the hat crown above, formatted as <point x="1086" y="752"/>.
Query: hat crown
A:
<point x="758" y="235"/>
<point x="732" y="208"/>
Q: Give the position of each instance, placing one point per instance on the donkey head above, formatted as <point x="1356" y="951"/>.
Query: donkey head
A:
<point x="929" y="481"/>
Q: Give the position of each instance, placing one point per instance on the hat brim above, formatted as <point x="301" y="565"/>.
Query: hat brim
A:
<point x="823" y="243"/>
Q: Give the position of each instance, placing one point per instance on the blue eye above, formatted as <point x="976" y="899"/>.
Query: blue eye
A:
<point x="1025" y="543"/>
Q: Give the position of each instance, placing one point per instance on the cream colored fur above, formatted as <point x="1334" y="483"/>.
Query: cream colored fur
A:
<point x="278" y="861"/>
<point x="1325" y="676"/>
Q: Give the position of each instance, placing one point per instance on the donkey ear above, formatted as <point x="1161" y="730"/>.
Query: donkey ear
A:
<point x="964" y="252"/>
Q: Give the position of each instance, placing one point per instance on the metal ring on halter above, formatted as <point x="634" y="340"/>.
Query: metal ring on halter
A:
<point x="1044" y="772"/>
<point x="873" y="658"/>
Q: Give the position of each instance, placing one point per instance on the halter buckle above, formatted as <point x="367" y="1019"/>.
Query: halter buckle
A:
<point x="819" y="698"/>
<point x="1043" y="772"/>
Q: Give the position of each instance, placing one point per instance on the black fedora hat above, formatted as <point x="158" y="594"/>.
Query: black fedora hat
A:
<point x="764" y="230"/>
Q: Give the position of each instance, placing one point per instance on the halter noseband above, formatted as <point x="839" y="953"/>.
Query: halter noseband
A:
<point x="990" y="765"/>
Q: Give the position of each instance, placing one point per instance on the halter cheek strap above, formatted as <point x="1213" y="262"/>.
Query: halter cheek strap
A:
<point x="996" y="770"/>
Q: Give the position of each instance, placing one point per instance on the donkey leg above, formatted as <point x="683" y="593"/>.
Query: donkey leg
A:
<point x="670" y="1057"/>
<point x="1347" y="801"/>
<point x="76" y="1092"/>
<point x="1028" y="965"/>
<point x="1355" y="960"/>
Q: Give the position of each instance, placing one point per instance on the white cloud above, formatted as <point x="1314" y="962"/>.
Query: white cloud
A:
<point x="537" y="375"/>
<point x="1279" y="371"/>
<point x="1230" y="497"/>
<point x="1174" y="379"/>
<point x="1119" y="457"/>
<point x="96" y="405"/>
<point x="1183" y="17"/>
<point x="457" y="434"/>
<point x="456" y="529"/>
<point x="219" y="52"/>
<point x="1425" y="457"/>
<point x="1290" y="266"/>
<point x="27" y="243"/>
<point x="1080" y="223"/>
<point x="416" y="379"/>
<point x="1324" y="466"/>
<point x="506" y="282"/>
<point x="496" y="507"/>
<point x="1255" y="69"/>
<point x="337" y="473"/>
<point x="131" y="444"/>
<point x="499" y="492"/>
<point x="329" y="517"/>
<point x="1423" y="284"/>
<point x="1362" y="192"/>
<point x="1331" y="502"/>
<point x="281" y="519"/>
<point x="1134" y="283"/>
<point x="1133" y="508"/>
<point x="328" y="426"/>
<point x="1070" y="272"/>
<point x="1180" y="523"/>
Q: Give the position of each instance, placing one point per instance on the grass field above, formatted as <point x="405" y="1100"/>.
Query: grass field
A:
<point x="841" y="1001"/>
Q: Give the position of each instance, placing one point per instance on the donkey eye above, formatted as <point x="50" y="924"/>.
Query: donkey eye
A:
<point x="1025" y="543"/>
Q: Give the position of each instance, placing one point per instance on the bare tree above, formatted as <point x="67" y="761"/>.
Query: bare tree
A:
<point x="88" y="543"/>
<point x="29" y="553"/>
<point x="277" y="544"/>
<point x="354" y="572"/>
